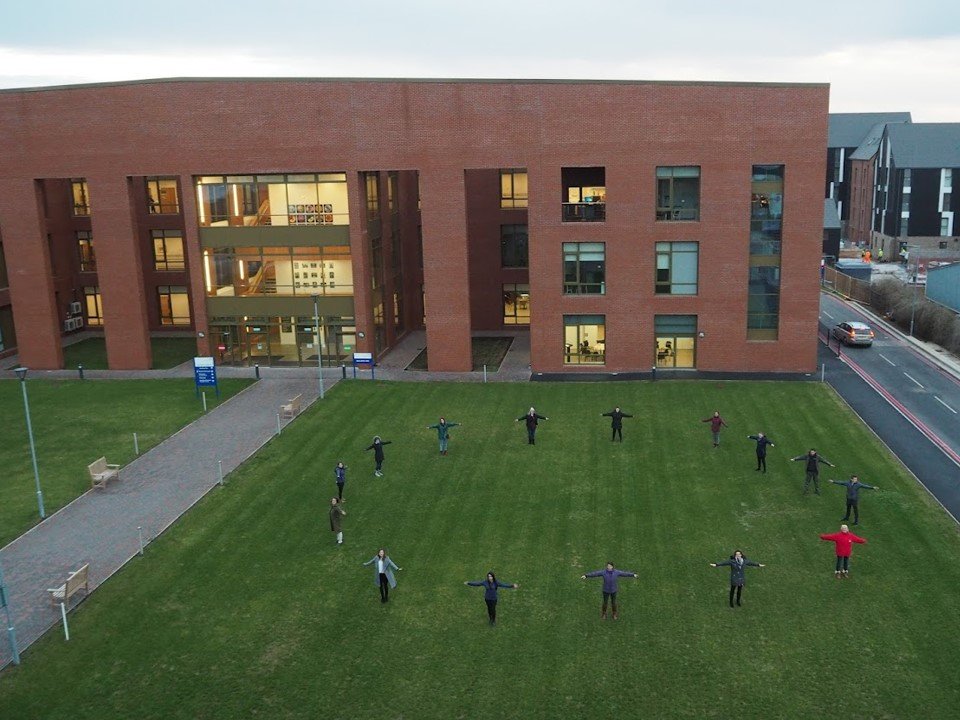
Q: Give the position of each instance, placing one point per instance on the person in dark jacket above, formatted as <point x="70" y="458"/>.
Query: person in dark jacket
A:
<point x="611" y="585"/>
<point x="340" y="473"/>
<point x="843" y="542"/>
<point x="762" y="442"/>
<point x="532" y="419"/>
<point x="737" y="564"/>
<point x="383" y="568"/>
<point x="813" y="461"/>
<point x="443" y="433"/>
<point x="490" y="587"/>
<point x="336" y="512"/>
<point x="716" y="422"/>
<point x="853" y="486"/>
<point x="377" y="447"/>
<point x="616" y="422"/>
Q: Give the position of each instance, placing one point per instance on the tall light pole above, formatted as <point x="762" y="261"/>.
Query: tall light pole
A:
<point x="316" y="323"/>
<point x="913" y="296"/>
<point x="11" y="632"/>
<point x="22" y="374"/>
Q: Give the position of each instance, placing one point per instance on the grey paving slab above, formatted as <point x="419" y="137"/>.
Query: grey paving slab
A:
<point x="100" y="527"/>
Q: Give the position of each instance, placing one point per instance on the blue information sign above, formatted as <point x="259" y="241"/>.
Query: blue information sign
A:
<point x="363" y="360"/>
<point x="205" y="373"/>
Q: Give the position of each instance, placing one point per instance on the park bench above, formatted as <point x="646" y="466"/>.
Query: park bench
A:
<point x="291" y="408"/>
<point x="101" y="472"/>
<point x="76" y="581"/>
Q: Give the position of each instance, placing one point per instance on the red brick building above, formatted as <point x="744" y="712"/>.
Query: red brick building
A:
<point x="626" y="223"/>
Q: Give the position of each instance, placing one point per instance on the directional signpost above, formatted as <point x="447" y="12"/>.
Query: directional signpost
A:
<point x="363" y="360"/>
<point x="205" y="374"/>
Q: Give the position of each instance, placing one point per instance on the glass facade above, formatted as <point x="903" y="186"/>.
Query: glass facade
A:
<point x="676" y="268"/>
<point x="253" y="271"/>
<point x="584" y="269"/>
<point x="283" y="340"/>
<point x="766" y="227"/>
<point x="678" y="193"/>
<point x="260" y="200"/>
<point x="584" y="338"/>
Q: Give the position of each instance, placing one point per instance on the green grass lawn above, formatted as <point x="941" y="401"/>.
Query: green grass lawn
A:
<point x="76" y="422"/>
<point x="488" y="351"/>
<point x="247" y="608"/>
<point x="168" y="352"/>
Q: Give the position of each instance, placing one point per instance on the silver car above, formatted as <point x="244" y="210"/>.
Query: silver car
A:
<point x="853" y="333"/>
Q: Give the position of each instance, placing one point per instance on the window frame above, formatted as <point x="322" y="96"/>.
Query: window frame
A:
<point x="88" y="264"/>
<point x="523" y="251"/>
<point x="580" y="285"/>
<point x="167" y="292"/>
<point x="165" y="264"/>
<point x="669" y="253"/>
<point x="573" y="357"/>
<point x="509" y="196"/>
<point x="157" y="207"/>
<point x="672" y="212"/>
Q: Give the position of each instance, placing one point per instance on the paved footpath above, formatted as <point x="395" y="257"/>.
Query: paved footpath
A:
<point x="100" y="527"/>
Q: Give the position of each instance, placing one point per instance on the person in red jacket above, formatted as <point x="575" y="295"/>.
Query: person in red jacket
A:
<point x="716" y="422"/>
<point x="843" y="541"/>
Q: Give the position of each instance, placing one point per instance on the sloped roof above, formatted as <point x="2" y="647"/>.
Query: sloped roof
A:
<point x="849" y="129"/>
<point x="925" y="145"/>
<point x="870" y="144"/>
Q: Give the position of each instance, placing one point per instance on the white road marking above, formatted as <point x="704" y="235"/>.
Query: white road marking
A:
<point x="887" y="359"/>
<point x="914" y="379"/>
<point x="827" y="314"/>
<point x="944" y="404"/>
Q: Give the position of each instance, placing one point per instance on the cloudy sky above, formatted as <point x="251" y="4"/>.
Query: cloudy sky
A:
<point x="879" y="56"/>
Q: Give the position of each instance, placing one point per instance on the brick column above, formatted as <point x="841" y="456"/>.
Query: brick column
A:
<point x="120" y="273"/>
<point x="191" y="246"/>
<point x="361" y="261"/>
<point x="35" y="314"/>
<point x="446" y="269"/>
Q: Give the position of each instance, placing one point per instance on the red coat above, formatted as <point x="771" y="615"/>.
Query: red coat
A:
<point x="844" y="542"/>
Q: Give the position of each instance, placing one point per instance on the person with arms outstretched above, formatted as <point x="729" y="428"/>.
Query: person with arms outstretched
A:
<point x="611" y="585"/>
<point x="377" y="447"/>
<point x="716" y="422"/>
<point x="490" y="587"/>
<point x="383" y="568"/>
<point x="443" y="433"/>
<point x="532" y="419"/>
<point x="762" y="442"/>
<point x="340" y="474"/>
<point x="843" y="541"/>
<point x="853" y="486"/>
<point x="737" y="564"/>
<point x="616" y="422"/>
<point x="813" y="461"/>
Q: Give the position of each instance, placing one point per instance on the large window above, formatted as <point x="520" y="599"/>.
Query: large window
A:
<point x="174" y="305"/>
<point x="513" y="188"/>
<point x="584" y="269"/>
<point x="584" y="338"/>
<point x="81" y="197"/>
<point x="94" y="305"/>
<point x="676" y="268"/>
<point x="253" y="271"/>
<point x="766" y="227"/>
<point x="516" y="304"/>
<point x="167" y="250"/>
<point x="513" y="246"/>
<point x="372" y="181"/>
<point x="676" y="340"/>
<point x="88" y="261"/>
<point x="584" y="194"/>
<point x="162" y="196"/>
<point x="283" y="340"/>
<point x="678" y="193"/>
<point x="259" y="200"/>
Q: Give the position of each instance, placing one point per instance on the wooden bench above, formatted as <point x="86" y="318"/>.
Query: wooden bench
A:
<point x="101" y="472"/>
<point x="292" y="407"/>
<point x="76" y="581"/>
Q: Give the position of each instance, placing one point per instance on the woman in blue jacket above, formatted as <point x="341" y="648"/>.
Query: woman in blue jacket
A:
<point x="737" y="564"/>
<point x="490" y="587"/>
<point x="383" y="568"/>
<point x="611" y="585"/>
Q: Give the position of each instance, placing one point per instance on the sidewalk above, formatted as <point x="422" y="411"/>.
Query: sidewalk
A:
<point x="100" y="527"/>
<point x="514" y="368"/>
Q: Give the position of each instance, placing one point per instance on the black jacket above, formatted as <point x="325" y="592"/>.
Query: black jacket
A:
<point x="616" y="418"/>
<point x="762" y="443"/>
<point x="532" y="420"/>
<point x="853" y="488"/>
<point x="813" y="462"/>
<point x="378" y="448"/>
<point x="737" y="576"/>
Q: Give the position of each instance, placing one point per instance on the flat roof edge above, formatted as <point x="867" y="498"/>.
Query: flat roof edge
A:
<point x="432" y="81"/>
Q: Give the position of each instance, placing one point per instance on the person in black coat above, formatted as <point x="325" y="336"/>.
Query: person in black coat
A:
<point x="616" y="422"/>
<point x="762" y="442"/>
<point x="377" y="447"/>
<point x="853" y="486"/>
<point x="813" y="461"/>
<point x="532" y="419"/>
<point x="737" y="564"/>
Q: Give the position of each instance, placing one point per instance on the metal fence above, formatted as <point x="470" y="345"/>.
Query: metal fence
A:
<point x="849" y="287"/>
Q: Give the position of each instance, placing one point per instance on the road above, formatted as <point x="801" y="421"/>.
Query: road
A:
<point x="925" y="393"/>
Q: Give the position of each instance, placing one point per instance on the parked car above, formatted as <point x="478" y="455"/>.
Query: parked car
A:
<point x="853" y="333"/>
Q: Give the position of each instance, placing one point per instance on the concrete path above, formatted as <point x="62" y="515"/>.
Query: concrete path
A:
<point x="100" y="527"/>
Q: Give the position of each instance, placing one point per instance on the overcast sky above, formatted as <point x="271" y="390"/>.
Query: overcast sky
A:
<point x="885" y="55"/>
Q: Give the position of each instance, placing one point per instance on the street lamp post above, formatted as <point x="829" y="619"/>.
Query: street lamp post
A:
<point x="22" y="374"/>
<point x="316" y="323"/>
<point x="11" y="632"/>
<point x="913" y="290"/>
